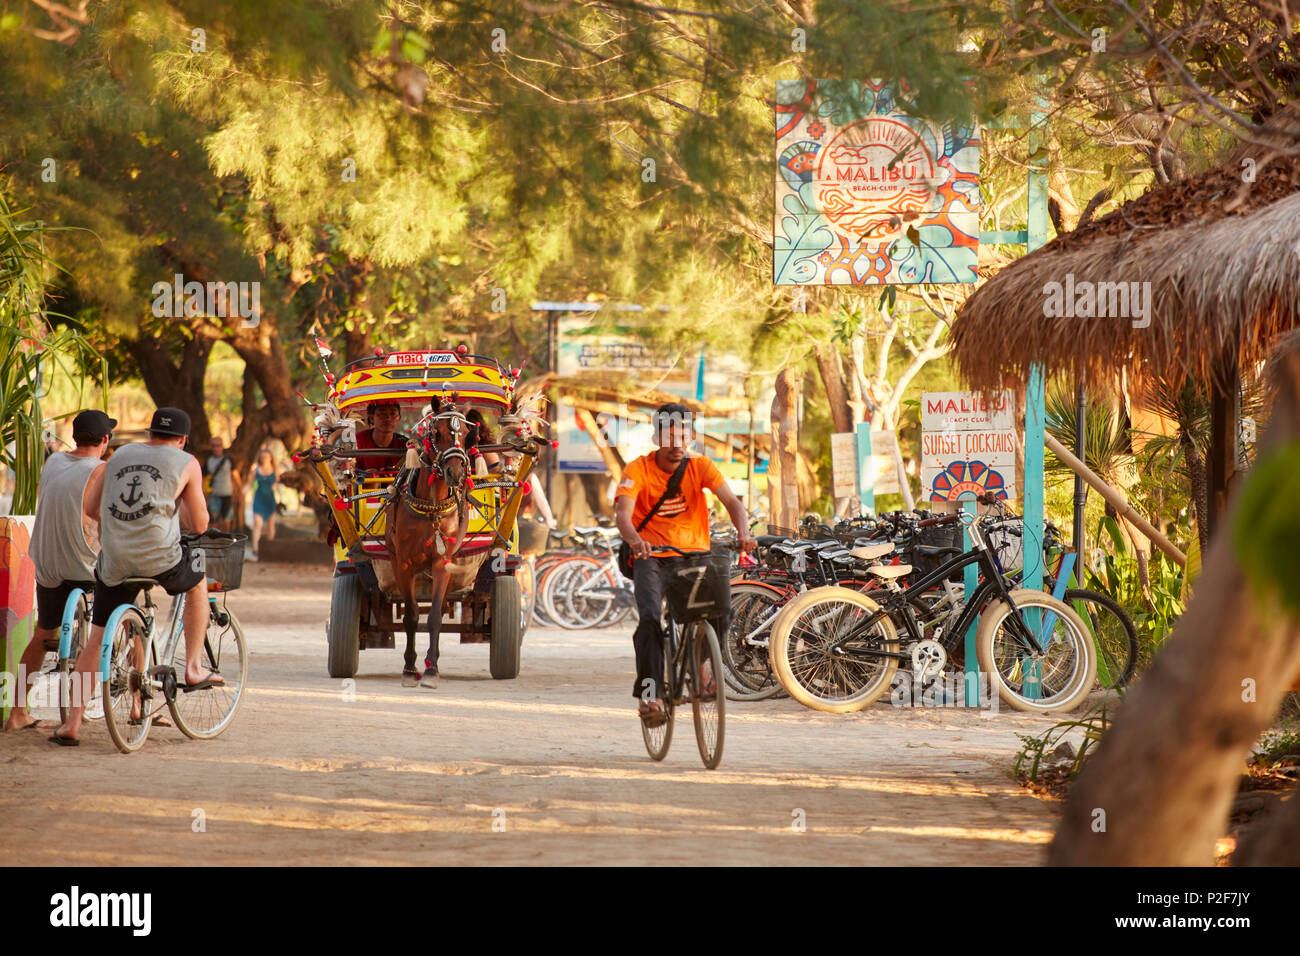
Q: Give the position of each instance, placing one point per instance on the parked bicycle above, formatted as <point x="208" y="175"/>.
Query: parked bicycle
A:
<point x="837" y="649"/>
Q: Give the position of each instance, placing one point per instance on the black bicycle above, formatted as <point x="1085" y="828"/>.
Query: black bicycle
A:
<point x="693" y="672"/>
<point x="837" y="649"/>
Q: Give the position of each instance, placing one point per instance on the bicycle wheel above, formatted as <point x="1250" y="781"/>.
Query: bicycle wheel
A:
<point x="128" y="687"/>
<point x="1057" y="679"/>
<point x="67" y="668"/>
<point x="203" y="714"/>
<point x="657" y="739"/>
<point x="1112" y="630"/>
<point x="591" y="597"/>
<point x="745" y="650"/>
<point x="823" y="656"/>
<point x="556" y="586"/>
<point x="708" y="707"/>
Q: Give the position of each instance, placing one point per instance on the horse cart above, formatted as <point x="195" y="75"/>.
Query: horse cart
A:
<point x="433" y="533"/>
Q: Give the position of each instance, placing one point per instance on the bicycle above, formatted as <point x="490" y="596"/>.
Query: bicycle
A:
<point x="133" y="681"/>
<point x="699" y="592"/>
<point x="836" y="649"/>
<point x="58" y="669"/>
<point x="1107" y="621"/>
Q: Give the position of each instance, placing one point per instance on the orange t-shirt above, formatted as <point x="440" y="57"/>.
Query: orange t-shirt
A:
<point x="681" y="521"/>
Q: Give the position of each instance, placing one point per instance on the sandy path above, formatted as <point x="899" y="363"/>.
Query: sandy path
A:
<point x="402" y="776"/>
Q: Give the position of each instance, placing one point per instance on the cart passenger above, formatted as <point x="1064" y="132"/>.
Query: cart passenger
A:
<point x="383" y="417"/>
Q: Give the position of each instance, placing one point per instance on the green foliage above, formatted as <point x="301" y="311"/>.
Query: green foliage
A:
<point x="1116" y="574"/>
<point x="1035" y="750"/>
<point x="29" y="353"/>
<point x="1278" y="747"/>
<point x="1266" y="526"/>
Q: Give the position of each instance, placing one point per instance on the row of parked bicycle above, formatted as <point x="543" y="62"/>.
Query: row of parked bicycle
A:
<point x="829" y="614"/>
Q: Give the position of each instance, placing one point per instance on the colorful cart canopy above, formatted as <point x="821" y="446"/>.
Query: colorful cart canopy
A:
<point x="418" y="377"/>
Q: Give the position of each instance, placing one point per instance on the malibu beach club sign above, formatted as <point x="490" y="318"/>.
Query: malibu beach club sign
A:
<point x="968" y="445"/>
<point x="866" y="194"/>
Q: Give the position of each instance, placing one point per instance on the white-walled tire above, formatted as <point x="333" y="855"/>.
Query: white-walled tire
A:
<point x="811" y="670"/>
<point x="1068" y="665"/>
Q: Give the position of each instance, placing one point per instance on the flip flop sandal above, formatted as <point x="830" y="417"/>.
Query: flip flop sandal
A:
<point x="65" y="741"/>
<point x="36" y="725"/>
<point x="204" y="684"/>
<point x="157" y="722"/>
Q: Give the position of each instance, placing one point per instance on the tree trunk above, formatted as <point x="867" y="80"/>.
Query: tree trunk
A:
<point x="1160" y="787"/>
<point x="177" y="383"/>
<point x="281" y="414"/>
<point x="1200" y="485"/>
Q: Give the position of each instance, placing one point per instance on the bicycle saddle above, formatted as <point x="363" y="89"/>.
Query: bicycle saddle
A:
<point x="890" y="571"/>
<point x="867" y="552"/>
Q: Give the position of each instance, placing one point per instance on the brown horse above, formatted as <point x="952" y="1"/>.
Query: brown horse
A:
<point x="425" y="522"/>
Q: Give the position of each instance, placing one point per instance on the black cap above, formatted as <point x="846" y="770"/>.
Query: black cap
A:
<point x="92" y="425"/>
<point x="170" y="421"/>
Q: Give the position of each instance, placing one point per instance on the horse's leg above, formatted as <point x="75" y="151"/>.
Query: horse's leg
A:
<point x="406" y="587"/>
<point x="440" y="578"/>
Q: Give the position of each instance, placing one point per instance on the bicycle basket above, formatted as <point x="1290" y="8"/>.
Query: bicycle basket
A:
<point x="223" y="561"/>
<point x="699" y="587"/>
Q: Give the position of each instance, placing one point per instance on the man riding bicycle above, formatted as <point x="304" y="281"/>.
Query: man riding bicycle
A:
<point x="142" y="499"/>
<point x="64" y="543"/>
<point x="660" y="501"/>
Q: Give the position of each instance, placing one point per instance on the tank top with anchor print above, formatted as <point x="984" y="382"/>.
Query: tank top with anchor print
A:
<point x="139" y="531"/>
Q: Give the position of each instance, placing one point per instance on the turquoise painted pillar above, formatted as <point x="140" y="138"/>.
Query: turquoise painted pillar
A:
<point x="1034" y="398"/>
<point x="866" y="490"/>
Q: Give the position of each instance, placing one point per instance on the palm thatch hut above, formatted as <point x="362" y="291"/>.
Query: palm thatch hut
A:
<point x="1208" y="269"/>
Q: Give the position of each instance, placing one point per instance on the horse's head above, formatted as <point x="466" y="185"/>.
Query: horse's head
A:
<point x="441" y="438"/>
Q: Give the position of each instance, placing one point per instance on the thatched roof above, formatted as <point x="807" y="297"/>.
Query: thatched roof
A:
<point x="1222" y="257"/>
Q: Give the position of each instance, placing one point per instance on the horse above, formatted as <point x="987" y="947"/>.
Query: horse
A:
<point x="425" y="520"/>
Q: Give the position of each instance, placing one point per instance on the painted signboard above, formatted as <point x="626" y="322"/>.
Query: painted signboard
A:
<point x="866" y="194"/>
<point x="882" y="474"/>
<point x="968" y="445"/>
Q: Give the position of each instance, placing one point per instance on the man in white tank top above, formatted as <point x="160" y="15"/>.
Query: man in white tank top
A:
<point x="64" y="545"/>
<point x="142" y="499"/>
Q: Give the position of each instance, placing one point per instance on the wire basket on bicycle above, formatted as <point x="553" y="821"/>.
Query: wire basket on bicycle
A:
<point x="701" y="586"/>
<point x="223" y="558"/>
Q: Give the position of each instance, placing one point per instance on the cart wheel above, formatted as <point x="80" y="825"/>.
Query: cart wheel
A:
<point x="345" y="626"/>
<point x="507" y="628"/>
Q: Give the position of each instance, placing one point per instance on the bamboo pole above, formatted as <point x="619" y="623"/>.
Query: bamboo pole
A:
<point x="1117" y="499"/>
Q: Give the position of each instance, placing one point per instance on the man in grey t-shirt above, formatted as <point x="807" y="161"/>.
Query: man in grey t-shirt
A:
<point x="142" y="499"/>
<point x="219" y="469"/>
<point x="63" y="548"/>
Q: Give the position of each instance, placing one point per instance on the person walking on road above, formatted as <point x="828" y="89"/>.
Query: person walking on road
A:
<point x="219" y="471"/>
<point x="265" y="506"/>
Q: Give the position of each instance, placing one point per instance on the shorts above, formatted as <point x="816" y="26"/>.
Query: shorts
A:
<point x="219" y="507"/>
<point x="50" y="602"/>
<point x="175" y="580"/>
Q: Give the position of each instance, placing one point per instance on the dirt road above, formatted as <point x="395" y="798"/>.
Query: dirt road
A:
<point x="553" y="759"/>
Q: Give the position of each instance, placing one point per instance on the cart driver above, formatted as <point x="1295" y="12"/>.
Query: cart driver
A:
<point x="383" y="418"/>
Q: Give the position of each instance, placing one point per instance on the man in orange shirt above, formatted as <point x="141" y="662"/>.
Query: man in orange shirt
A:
<point x="682" y="521"/>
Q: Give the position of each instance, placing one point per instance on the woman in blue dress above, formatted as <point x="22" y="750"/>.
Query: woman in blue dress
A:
<point x="264" y="503"/>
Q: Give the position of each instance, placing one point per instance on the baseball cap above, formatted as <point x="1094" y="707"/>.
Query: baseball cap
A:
<point x="170" y="421"/>
<point x="92" y="424"/>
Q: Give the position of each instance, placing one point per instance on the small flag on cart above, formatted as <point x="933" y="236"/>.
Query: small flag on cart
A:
<point x="323" y="347"/>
